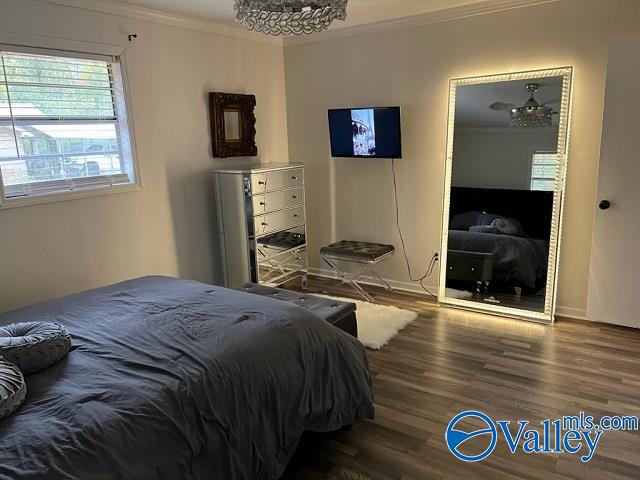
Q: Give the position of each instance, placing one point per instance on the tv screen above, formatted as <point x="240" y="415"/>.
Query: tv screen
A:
<point x="365" y="132"/>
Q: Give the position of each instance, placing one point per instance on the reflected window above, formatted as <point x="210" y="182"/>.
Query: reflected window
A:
<point x="544" y="166"/>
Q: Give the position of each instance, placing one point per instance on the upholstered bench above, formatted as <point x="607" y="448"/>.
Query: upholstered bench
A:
<point x="365" y="254"/>
<point x="340" y="314"/>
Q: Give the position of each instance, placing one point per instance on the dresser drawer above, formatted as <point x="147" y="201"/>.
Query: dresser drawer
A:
<point x="276" y="180"/>
<point x="274" y="201"/>
<point x="272" y="222"/>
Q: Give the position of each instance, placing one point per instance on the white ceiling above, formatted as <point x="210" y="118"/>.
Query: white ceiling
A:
<point x="473" y="101"/>
<point x="359" y="12"/>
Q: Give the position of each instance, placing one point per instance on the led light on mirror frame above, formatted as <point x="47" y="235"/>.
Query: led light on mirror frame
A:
<point x="547" y="316"/>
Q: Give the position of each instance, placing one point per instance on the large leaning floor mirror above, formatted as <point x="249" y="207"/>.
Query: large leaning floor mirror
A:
<point x="505" y="176"/>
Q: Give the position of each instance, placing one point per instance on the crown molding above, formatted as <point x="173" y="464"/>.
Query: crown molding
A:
<point x="155" y="16"/>
<point x="164" y="18"/>
<point x="438" y="16"/>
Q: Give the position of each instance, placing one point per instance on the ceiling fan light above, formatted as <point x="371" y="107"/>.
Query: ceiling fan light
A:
<point x="531" y="114"/>
<point x="533" y="117"/>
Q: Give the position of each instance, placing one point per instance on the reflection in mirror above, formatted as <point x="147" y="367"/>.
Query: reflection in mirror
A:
<point x="503" y="177"/>
<point x="232" y="125"/>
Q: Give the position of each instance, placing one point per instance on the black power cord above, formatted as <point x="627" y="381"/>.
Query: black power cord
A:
<point x="434" y="259"/>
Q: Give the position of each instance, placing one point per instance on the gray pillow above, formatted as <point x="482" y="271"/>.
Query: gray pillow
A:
<point x="486" y="218"/>
<point x="508" y="226"/>
<point x="462" y="221"/>
<point x="12" y="388"/>
<point x="34" y="346"/>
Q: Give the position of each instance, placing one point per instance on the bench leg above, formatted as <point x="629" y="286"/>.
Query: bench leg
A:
<point x="382" y="281"/>
<point x="356" y="286"/>
<point x="350" y="278"/>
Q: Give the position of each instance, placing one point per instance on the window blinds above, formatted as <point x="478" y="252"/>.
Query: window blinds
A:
<point x="543" y="170"/>
<point x="62" y="124"/>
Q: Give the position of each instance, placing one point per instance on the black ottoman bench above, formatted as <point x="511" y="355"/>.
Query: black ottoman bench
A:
<point x="339" y="314"/>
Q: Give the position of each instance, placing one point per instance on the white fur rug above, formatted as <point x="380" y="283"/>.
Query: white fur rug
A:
<point x="462" y="294"/>
<point x="377" y="324"/>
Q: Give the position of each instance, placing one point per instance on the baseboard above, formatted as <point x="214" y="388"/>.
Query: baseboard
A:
<point x="571" y="312"/>
<point x="414" y="287"/>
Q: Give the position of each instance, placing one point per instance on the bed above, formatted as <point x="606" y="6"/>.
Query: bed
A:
<point x="517" y="261"/>
<point x="172" y="379"/>
<point x="519" y="258"/>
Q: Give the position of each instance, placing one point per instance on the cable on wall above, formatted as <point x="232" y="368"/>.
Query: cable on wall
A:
<point x="434" y="259"/>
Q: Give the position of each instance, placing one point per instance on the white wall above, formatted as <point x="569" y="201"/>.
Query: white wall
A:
<point x="497" y="157"/>
<point x="411" y="68"/>
<point x="168" y="226"/>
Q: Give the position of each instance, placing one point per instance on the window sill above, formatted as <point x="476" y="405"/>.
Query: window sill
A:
<point x="68" y="195"/>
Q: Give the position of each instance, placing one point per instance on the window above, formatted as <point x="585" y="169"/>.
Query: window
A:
<point x="544" y="166"/>
<point x="63" y="125"/>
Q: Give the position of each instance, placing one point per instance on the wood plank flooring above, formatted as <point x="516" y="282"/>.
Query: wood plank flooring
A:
<point x="449" y="361"/>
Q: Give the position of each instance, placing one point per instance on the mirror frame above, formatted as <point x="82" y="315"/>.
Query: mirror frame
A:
<point x="547" y="316"/>
<point x="245" y="146"/>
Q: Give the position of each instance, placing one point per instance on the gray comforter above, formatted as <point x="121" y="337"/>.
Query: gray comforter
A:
<point x="171" y="379"/>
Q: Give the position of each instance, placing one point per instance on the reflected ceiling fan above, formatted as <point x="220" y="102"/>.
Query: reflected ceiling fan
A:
<point x="531" y="114"/>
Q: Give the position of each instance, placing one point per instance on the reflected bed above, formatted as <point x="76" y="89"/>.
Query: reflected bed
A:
<point x="518" y="261"/>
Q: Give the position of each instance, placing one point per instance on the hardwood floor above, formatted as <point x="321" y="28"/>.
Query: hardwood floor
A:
<point x="449" y="361"/>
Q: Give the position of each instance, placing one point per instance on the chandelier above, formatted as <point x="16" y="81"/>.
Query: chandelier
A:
<point x="531" y="114"/>
<point x="289" y="17"/>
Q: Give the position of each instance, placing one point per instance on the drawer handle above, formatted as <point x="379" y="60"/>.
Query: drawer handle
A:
<point x="264" y="224"/>
<point x="262" y="203"/>
<point x="293" y="177"/>
<point x="295" y="215"/>
<point x="295" y="197"/>
<point x="262" y="183"/>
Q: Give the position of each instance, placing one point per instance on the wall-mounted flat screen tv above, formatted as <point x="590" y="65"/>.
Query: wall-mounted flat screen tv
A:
<point x="365" y="132"/>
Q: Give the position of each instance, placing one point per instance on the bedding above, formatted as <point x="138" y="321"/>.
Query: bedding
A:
<point x="518" y="261"/>
<point x="487" y="222"/>
<point x="171" y="379"/>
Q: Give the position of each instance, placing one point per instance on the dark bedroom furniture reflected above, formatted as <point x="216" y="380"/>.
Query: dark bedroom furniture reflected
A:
<point x="474" y="267"/>
<point x="172" y="379"/>
<point x="516" y="257"/>
<point x="262" y="223"/>
<point x="532" y="208"/>
<point x="363" y="255"/>
<point x="341" y="315"/>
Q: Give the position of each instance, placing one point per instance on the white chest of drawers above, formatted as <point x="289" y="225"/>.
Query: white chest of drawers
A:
<point x="262" y="223"/>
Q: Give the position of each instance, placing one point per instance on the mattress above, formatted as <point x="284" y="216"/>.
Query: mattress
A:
<point x="171" y="379"/>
